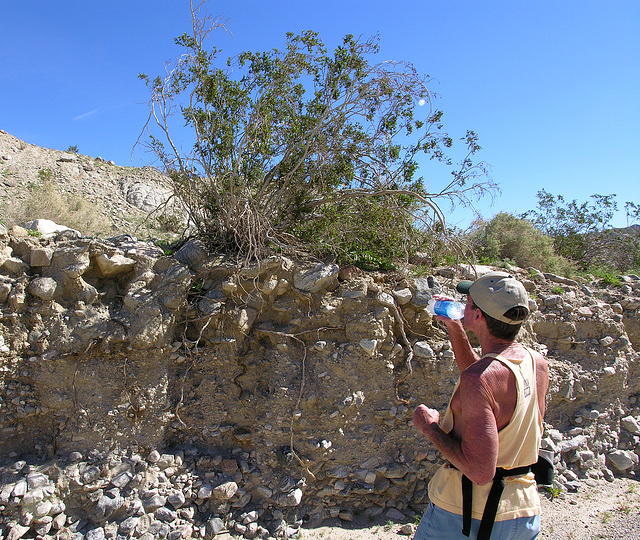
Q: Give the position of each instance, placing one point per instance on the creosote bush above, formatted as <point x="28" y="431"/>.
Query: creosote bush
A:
<point x="306" y="148"/>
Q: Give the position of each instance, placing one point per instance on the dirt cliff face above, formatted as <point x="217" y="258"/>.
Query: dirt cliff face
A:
<point x="108" y="344"/>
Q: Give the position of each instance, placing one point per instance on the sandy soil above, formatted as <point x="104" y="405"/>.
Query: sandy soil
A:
<point x="599" y="509"/>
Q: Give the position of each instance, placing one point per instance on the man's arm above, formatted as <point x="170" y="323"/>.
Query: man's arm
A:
<point x="475" y="451"/>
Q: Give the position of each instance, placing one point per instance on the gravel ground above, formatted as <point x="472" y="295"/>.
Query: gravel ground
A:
<point x="599" y="510"/>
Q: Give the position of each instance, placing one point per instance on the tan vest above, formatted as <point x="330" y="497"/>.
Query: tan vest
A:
<point x="518" y="445"/>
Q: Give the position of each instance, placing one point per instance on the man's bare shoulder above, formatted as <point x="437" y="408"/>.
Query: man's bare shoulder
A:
<point x="540" y="360"/>
<point x="486" y="370"/>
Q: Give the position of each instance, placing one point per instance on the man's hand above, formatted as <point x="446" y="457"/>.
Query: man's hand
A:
<point x="424" y="419"/>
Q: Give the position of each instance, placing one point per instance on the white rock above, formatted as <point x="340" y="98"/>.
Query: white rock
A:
<point x="205" y="491"/>
<point x="113" y="265"/>
<point x="14" y="265"/>
<point x="47" y="228"/>
<point x="20" y="488"/>
<point x="318" y="278"/>
<point x="40" y="256"/>
<point x="423" y="350"/>
<point x="630" y="424"/>
<point x="622" y="460"/>
<point x="249" y="517"/>
<point x="573" y="444"/>
<point x="402" y="296"/>
<point x="369" y="346"/>
<point x="224" y="491"/>
<point x="294" y="498"/>
<point x="43" y="287"/>
<point x="246" y="318"/>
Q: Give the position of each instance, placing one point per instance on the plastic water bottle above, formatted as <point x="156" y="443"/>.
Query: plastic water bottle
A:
<point x="446" y="308"/>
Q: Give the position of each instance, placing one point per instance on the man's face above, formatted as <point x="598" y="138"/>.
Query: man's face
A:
<point x="469" y="308"/>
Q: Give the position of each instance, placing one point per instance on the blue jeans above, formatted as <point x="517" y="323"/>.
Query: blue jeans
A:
<point x="438" y="524"/>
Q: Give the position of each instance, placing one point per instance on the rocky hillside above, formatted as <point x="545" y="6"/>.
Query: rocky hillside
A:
<point x="181" y="396"/>
<point x="124" y="197"/>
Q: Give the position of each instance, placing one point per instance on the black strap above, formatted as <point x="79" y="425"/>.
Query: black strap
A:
<point x="493" y="500"/>
<point x="467" y="498"/>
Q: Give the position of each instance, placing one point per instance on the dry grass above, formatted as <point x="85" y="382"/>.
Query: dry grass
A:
<point x="46" y="201"/>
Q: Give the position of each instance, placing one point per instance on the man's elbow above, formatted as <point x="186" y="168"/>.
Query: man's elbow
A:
<point x="481" y="477"/>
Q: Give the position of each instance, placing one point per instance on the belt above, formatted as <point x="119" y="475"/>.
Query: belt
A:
<point x="493" y="500"/>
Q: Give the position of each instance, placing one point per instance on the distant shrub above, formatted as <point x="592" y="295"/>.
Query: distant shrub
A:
<point x="582" y="232"/>
<point x="169" y="223"/>
<point x="512" y="239"/>
<point x="613" y="250"/>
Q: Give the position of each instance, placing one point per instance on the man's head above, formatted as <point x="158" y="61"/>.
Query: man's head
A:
<point x="502" y="299"/>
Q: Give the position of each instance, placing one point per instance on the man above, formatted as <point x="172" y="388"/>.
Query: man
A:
<point x="493" y="426"/>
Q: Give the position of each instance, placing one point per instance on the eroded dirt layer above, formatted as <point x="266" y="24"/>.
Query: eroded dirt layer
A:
<point x="294" y="380"/>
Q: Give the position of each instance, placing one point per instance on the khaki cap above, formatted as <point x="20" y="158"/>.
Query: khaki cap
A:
<point x="496" y="293"/>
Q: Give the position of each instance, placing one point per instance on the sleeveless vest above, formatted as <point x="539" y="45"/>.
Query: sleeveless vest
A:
<point x="519" y="442"/>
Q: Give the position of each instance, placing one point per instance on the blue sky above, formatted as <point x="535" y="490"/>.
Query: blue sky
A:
<point x="552" y="88"/>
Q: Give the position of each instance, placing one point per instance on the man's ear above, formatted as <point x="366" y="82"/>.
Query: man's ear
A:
<point x="478" y="315"/>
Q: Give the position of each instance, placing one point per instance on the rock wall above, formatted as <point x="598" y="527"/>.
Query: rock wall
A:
<point x="189" y="391"/>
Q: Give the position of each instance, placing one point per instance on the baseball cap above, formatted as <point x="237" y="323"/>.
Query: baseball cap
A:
<point x="496" y="293"/>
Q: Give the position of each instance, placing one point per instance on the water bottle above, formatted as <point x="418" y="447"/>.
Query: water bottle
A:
<point x="446" y="308"/>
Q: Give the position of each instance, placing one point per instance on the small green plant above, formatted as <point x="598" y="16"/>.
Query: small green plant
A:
<point x="557" y="289"/>
<point x="416" y="519"/>
<point x="45" y="175"/>
<point x="555" y="491"/>
<point x="625" y="508"/>
<point x="167" y="248"/>
<point x="609" y="279"/>
<point x="196" y="286"/>
<point x="606" y="517"/>
<point x="73" y="149"/>
<point x="34" y="232"/>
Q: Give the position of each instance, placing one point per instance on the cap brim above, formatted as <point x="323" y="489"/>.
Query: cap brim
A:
<point x="464" y="286"/>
